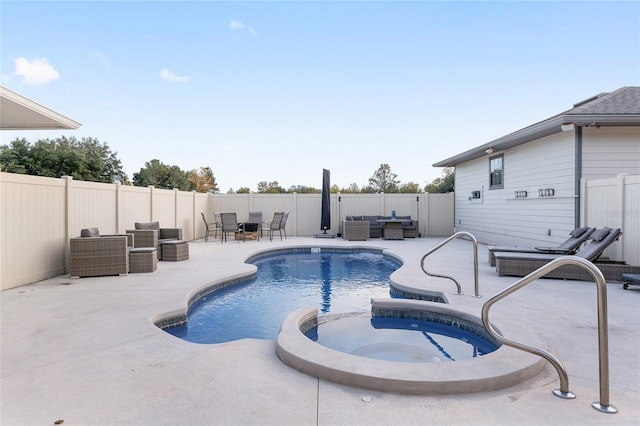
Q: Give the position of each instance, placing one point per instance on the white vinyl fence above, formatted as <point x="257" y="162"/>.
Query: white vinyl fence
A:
<point x="615" y="202"/>
<point x="38" y="216"/>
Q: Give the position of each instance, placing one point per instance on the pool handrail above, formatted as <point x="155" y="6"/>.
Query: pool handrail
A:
<point x="603" y="405"/>
<point x="475" y="262"/>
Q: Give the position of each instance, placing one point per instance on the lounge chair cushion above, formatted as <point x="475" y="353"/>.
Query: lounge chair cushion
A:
<point x="600" y="234"/>
<point x="90" y="232"/>
<point x="148" y="225"/>
<point x="579" y="231"/>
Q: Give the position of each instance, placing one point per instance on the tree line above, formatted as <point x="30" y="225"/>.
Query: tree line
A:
<point x="88" y="159"/>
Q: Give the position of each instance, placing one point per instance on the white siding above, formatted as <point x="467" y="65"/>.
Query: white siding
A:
<point x="498" y="217"/>
<point x="610" y="151"/>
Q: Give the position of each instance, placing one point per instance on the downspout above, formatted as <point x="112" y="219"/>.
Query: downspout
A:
<point x="578" y="175"/>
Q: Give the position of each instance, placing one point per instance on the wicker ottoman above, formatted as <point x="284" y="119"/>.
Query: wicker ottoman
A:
<point x="175" y="250"/>
<point x="143" y="259"/>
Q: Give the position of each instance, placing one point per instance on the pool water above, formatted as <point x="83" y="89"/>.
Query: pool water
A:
<point x="333" y="282"/>
<point x="400" y="339"/>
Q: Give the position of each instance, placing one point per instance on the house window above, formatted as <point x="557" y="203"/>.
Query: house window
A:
<point x="496" y="172"/>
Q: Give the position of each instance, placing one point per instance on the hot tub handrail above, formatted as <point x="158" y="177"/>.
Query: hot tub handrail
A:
<point x="603" y="404"/>
<point x="459" y="234"/>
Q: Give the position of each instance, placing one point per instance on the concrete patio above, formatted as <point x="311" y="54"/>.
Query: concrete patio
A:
<point x="86" y="351"/>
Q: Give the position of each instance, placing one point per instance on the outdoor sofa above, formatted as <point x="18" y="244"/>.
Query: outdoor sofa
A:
<point x="92" y="254"/>
<point x="359" y="228"/>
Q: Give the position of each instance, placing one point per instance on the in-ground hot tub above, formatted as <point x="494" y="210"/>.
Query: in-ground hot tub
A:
<point x="498" y="369"/>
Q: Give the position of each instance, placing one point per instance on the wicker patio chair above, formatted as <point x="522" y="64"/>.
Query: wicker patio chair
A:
<point x="149" y="234"/>
<point x="522" y="264"/>
<point x="355" y="230"/>
<point x="92" y="254"/>
<point x="569" y="246"/>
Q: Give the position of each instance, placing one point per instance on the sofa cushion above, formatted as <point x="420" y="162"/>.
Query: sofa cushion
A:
<point x="373" y="220"/>
<point x="90" y="232"/>
<point x="148" y="225"/>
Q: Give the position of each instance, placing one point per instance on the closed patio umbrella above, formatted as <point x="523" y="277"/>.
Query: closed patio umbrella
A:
<point x="325" y="218"/>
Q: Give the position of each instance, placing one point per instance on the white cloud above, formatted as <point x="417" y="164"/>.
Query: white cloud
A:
<point x="239" y="26"/>
<point x="36" y="71"/>
<point x="169" y="76"/>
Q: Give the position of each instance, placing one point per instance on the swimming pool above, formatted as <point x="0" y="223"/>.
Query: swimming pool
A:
<point x="333" y="280"/>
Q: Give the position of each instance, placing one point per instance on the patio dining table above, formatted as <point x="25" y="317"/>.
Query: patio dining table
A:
<point x="392" y="228"/>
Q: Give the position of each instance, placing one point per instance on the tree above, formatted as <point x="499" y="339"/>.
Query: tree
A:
<point x="368" y="189"/>
<point x="160" y="175"/>
<point x="409" y="188"/>
<point x="443" y="184"/>
<point x="244" y="190"/>
<point x="204" y="180"/>
<point x="352" y="189"/>
<point x="270" y="188"/>
<point x="384" y="180"/>
<point x="86" y="159"/>
<point x="301" y="189"/>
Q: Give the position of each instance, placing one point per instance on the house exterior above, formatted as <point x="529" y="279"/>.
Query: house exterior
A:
<point x="525" y="188"/>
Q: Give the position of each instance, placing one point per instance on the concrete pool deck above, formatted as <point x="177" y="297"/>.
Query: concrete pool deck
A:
<point x="86" y="351"/>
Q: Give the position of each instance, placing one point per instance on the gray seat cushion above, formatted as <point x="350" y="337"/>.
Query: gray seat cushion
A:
<point x="90" y="232"/>
<point x="147" y="225"/>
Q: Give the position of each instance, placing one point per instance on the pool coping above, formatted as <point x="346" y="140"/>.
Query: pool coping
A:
<point x="502" y="368"/>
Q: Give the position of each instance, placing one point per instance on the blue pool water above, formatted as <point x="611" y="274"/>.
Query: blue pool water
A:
<point x="400" y="339"/>
<point x="334" y="282"/>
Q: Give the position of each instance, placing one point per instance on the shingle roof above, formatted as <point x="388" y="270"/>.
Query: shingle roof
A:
<point x="624" y="101"/>
<point x="618" y="108"/>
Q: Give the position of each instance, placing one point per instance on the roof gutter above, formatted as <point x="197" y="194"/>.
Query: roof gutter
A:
<point x="611" y="120"/>
<point x="528" y="134"/>
<point x="540" y="130"/>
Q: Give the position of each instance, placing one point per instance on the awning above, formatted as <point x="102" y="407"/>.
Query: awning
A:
<point x="20" y="113"/>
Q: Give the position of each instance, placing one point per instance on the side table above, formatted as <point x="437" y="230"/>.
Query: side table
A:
<point x="143" y="259"/>
<point x="175" y="250"/>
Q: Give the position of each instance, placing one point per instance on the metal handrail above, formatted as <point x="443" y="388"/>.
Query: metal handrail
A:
<point x="603" y="337"/>
<point x="475" y="262"/>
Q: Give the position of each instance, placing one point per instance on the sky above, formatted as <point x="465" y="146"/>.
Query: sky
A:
<point x="278" y="91"/>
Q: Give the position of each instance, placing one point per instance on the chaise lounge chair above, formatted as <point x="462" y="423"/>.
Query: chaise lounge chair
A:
<point x="570" y="246"/>
<point x="630" y="279"/>
<point x="521" y="264"/>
